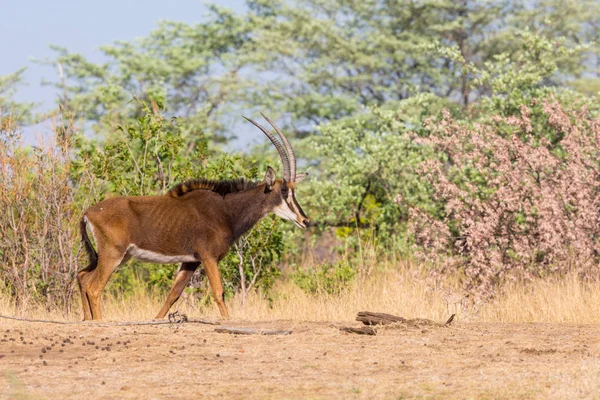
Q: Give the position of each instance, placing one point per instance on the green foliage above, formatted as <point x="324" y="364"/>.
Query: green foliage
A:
<point x="574" y="22"/>
<point x="337" y="57"/>
<point x="346" y="54"/>
<point x="316" y="60"/>
<point x="129" y="277"/>
<point x="371" y="165"/>
<point x="518" y="77"/>
<point x="19" y="112"/>
<point x="146" y="156"/>
<point x="327" y="278"/>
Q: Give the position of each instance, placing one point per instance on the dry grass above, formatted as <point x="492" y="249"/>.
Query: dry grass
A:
<point x="554" y="300"/>
<point x="401" y="291"/>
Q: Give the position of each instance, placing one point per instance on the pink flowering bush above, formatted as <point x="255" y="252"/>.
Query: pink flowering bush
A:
<point x="513" y="205"/>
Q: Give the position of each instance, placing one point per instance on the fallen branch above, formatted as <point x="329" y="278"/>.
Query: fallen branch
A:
<point x="47" y="321"/>
<point x="371" y="318"/>
<point x="250" y="331"/>
<point x="155" y="322"/>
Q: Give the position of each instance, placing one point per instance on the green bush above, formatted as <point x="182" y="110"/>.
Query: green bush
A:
<point x="327" y="278"/>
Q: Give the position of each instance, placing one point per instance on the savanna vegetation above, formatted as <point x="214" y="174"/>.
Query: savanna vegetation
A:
<point x="454" y="139"/>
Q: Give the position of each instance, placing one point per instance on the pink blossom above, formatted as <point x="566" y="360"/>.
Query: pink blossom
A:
<point x="537" y="210"/>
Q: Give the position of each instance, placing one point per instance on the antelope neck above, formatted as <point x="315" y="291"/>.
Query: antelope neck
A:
<point x="246" y="209"/>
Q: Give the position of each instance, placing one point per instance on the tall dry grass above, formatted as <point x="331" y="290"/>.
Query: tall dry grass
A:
<point x="557" y="300"/>
<point x="403" y="290"/>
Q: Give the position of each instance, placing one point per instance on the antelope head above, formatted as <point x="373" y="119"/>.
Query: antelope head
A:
<point x="286" y="206"/>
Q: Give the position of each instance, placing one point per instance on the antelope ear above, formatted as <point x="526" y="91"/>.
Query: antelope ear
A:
<point x="270" y="177"/>
<point x="300" y="176"/>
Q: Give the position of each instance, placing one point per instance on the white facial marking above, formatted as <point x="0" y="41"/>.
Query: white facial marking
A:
<point x="153" y="257"/>
<point x="284" y="211"/>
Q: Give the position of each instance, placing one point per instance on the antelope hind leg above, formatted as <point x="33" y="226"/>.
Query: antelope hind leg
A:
<point x="107" y="263"/>
<point x="83" y="279"/>
<point x="185" y="273"/>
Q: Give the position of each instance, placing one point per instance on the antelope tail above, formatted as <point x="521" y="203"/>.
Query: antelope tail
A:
<point x="86" y="242"/>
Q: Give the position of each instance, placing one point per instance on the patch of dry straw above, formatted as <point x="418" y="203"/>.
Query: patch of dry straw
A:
<point x="403" y="291"/>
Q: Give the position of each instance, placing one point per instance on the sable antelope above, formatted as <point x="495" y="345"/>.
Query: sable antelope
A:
<point x="194" y="223"/>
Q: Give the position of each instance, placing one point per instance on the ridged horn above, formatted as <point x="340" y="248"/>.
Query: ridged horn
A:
<point x="288" y="147"/>
<point x="282" y="153"/>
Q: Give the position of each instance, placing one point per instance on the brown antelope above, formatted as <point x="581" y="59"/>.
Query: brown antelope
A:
<point x="194" y="223"/>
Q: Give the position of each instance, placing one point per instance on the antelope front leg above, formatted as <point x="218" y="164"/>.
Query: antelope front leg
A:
<point x="211" y="268"/>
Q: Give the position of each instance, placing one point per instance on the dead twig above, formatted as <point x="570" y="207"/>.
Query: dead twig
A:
<point x="250" y="331"/>
<point x="365" y="330"/>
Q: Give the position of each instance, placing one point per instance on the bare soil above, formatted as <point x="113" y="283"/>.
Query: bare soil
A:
<point x="465" y="360"/>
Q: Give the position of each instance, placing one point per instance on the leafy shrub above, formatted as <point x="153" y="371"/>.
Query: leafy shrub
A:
<point x="327" y="278"/>
<point x="513" y="203"/>
<point x="146" y="156"/>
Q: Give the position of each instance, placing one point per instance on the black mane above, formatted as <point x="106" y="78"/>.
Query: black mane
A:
<point x="221" y="187"/>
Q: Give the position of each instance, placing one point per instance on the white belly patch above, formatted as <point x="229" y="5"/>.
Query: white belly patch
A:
<point x="153" y="257"/>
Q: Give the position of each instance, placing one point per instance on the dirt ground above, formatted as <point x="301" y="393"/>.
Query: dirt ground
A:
<point x="317" y="360"/>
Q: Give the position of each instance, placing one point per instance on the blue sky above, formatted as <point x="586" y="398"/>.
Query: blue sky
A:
<point x="28" y="27"/>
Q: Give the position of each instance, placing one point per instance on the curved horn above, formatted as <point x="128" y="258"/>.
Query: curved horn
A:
<point x="284" y="157"/>
<point x="288" y="147"/>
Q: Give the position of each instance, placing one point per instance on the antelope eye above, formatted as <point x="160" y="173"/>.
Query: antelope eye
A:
<point x="284" y="190"/>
